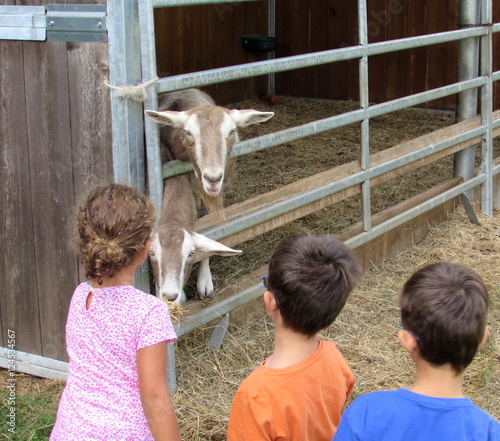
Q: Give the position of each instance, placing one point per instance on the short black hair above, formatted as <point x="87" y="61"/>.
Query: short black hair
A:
<point x="444" y="305"/>
<point x="311" y="277"/>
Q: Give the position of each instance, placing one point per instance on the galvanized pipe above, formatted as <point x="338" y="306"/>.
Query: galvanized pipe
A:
<point x="148" y="58"/>
<point x="412" y="213"/>
<point x="468" y="64"/>
<point x="333" y="122"/>
<point x="218" y="309"/>
<point x="126" y="116"/>
<point x="170" y="3"/>
<point x="364" y="89"/>
<point x="486" y="60"/>
<point x="220" y="75"/>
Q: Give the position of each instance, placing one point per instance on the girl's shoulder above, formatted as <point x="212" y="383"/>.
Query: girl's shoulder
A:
<point x="137" y="298"/>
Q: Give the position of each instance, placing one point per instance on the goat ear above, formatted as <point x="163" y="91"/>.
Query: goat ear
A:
<point x="210" y="247"/>
<point x="168" y="117"/>
<point x="244" y="118"/>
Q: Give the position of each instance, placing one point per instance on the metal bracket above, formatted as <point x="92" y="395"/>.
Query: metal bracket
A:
<point x="68" y="22"/>
<point x="469" y="209"/>
<point x="22" y="23"/>
<point x="61" y="22"/>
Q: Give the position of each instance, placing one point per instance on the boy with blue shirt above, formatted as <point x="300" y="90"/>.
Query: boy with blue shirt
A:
<point x="443" y="315"/>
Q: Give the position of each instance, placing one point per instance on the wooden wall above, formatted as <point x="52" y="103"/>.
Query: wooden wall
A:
<point x="305" y="26"/>
<point x="56" y="144"/>
<point x="194" y="38"/>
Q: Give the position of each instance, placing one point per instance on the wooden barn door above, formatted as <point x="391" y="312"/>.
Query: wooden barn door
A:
<point x="55" y="144"/>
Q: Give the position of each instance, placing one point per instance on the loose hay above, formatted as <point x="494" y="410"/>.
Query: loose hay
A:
<point x="176" y="310"/>
<point x="365" y="332"/>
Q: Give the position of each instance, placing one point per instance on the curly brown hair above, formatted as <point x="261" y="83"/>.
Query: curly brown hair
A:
<point x="114" y="222"/>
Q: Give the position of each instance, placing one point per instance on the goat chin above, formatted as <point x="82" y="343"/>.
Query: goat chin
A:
<point x="214" y="205"/>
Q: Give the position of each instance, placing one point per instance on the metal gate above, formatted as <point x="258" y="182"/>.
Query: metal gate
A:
<point x="475" y="33"/>
<point x="132" y="60"/>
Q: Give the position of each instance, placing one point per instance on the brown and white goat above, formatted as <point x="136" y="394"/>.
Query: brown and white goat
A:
<point x="195" y="129"/>
<point x="176" y="246"/>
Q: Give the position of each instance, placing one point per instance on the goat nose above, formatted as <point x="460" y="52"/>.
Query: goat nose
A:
<point x="214" y="180"/>
<point x="171" y="297"/>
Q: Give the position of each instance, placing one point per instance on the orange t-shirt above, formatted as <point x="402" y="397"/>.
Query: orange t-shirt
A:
<point x="303" y="402"/>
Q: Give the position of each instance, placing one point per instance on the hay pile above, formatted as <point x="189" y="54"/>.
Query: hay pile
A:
<point x="365" y="332"/>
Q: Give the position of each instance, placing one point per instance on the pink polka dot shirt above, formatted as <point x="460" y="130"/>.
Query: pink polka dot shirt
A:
<point x="101" y="400"/>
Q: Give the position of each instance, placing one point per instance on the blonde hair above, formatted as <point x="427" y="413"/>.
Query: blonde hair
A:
<point x="114" y="222"/>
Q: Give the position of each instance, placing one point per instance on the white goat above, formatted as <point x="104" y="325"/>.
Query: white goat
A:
<point x="197" y="130"/>
<point x="175" y="246"/>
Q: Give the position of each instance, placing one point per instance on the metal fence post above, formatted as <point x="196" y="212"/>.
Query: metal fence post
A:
<point x="468" y="64"/>
<point x="126" y="115"/>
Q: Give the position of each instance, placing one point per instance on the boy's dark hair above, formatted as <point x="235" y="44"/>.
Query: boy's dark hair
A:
<point x="310" y="277"/>
<point x="444" y="305"/>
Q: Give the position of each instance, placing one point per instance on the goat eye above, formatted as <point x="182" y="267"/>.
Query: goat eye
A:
<point x="231" y="133"/>
<point x="191" y="254"/>
<point x="188" y="133"/>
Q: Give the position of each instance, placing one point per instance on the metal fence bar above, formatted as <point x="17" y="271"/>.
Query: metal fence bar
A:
<point x="170" y="3"/>
<point x="230" y="73"/>
<point x="364" y="104"/>
<point x="467" y="68"/>
<point x="412" y="213"/>
<point x="148" y="57"/>
<point x="486" y="63"/>
<point x="218" y="309"/>
<point x="333" y="122"/>
<point x="126" y="115"/>
<point x="295" y="202"/>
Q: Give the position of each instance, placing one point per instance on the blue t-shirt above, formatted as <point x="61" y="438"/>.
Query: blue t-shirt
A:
<point x="404" y="415"/>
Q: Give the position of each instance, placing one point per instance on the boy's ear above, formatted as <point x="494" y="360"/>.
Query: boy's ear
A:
<point x="408" y="341"/>
<point x="485" y="337"/>
<point x="270" y="302"/>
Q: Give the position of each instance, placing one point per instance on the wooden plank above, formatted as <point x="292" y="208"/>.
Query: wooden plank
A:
<point x="35" y="365"/>
<point x="400" y="208"/>
<point x="451" y="55"/>
<point x="436" y="54"/>
<point x="300" y="27"/>
<point x="48" y="128"/>
<point x="211" y="38"/>
<point x="90" y="115"/>
<point x="395" y="62"/>
<point x="305" y="185"/>
<point x="19" y="299"/>
<point x="320" y="41"/>
<point x="416" y="67"/>
<point x="377" y="31"/>
<point x="338" y="82"/>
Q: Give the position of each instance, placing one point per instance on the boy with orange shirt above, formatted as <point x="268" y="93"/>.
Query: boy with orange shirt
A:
<point x="300" y="391"/>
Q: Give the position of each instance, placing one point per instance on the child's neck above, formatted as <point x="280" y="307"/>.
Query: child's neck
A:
<point x="437" y="381"/>
<point x="119" y="279"/>
<point x="290" y="348"/>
